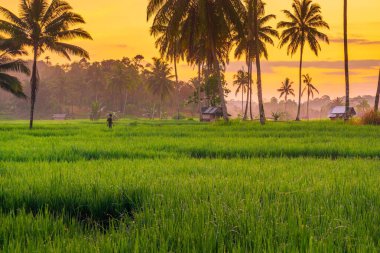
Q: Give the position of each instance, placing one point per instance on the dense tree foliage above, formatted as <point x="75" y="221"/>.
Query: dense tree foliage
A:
<point x="120" y="86"/>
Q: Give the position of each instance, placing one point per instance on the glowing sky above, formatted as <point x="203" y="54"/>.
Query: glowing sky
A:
<point x="119" y="28"/>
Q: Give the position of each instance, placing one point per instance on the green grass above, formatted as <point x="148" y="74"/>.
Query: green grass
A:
<point x="150" y="186"/>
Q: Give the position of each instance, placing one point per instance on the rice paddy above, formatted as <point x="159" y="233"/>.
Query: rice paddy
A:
<point x="168" y="186"/>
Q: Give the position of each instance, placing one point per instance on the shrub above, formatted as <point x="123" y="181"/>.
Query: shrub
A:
<point x="371" y="118"/>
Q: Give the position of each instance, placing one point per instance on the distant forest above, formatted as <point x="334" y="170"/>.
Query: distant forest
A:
<point x="82" y="89"/>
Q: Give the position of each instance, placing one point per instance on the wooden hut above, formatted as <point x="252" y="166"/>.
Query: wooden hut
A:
<point x="211" y="113"/>
<point x="338" y="112"/>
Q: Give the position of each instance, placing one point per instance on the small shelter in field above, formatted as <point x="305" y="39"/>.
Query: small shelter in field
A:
<point x="338" y="112"/>
<point x="211" y="113"/>
<point x="60" y="116"/>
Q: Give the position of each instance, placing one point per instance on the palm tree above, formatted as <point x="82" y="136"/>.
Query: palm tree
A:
<point x="303" y="26"/>
<point x="346" y="71"/>
<point x="336" y="102"/>
<point x="363" y="106"/>
<point x="47" y="58"/>
<point x="241" y="80"/>
<point x="7" y="82"/>
<point x="169" y="47"/>
<point x="208" y="30"/>
<point x="310" y="89"/>
<point x="261" y="37"/>
<point x="286" y="89"/>
<point x="377" y="95"/>
<point x="42" y="26"/>
<point x="159" y="75"/>
<point x="255" y="29"/>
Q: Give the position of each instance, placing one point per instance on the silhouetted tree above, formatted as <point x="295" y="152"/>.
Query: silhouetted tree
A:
<point x="302" y="27"/>
<point x="42" y="26"/>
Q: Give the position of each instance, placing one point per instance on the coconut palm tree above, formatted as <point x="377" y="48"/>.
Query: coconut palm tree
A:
<point x="302" y="27"/>
<point x="377" y="97"/>
<point x="241" y="80"/>
<point x="346" y="70"/>
<point x="159" y="80"/>
<point x="42" y="26"/>
<point x="286" y="90"/>
<point x="336" y="102"/>
<point x="363" y="106"/>
<point x="262" y="35"/>
<point x="208" y="30"/>
<point x="169" y="47"/>
<point x="310" y="89"/>
<point x="246" y="43"/>
<point x="7" y="82"/>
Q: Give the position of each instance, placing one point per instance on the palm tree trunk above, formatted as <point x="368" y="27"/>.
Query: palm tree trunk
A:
<point x="258" y="67"/>
<point x="300" y="85"/>
<point x="221" y="90"/>
<point x="260" y="92"/>
<point x="161" y="102"/>
<point x="308" y="99"/>
<point x="33" y="83"/>
<point x="377" y="95"/>
<point x="242" y="99"/>
<point x="286" y="102"/>
<point x="176" y="81"/>
<point x="125" y="102"/>
<point x="199" y="92"/>
<point x="248" y="90"/>
<point x="346" y="71"/>
<point x="250" y="94"/>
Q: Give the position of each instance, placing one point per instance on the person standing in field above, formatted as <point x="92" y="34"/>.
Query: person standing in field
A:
<point x="110" y="121"/>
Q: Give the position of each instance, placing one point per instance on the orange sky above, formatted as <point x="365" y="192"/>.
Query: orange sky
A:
<point x="120" y="29"/>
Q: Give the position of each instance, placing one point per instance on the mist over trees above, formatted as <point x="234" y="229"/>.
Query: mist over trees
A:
<point x="120" y="86"/>
<point x="123" y="86"/>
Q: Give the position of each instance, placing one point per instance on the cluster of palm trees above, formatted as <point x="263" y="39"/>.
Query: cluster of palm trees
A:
<point x="40" y="26"/>
<point x="203" y="32"/>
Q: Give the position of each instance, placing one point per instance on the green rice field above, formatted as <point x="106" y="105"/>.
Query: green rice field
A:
<point x="184" y="186"/>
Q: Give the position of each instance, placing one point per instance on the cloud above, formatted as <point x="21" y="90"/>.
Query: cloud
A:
<point x="354" y="64"/>
<point x="357" y="41"/>
<point x="269" y="66"/>
<point x="120" y="45"/>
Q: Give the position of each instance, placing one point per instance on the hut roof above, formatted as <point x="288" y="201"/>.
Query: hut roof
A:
<point x="341" y="110"/>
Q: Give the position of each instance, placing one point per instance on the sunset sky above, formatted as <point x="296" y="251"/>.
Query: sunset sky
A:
<point x="119" y="28"/>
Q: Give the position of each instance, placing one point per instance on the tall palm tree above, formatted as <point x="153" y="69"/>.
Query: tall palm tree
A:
<point x="255" y="29"/>
<point x="42" y="25"/>
<point x="377" y="97"/>
<point x="346" y="70"/>
<point x="208" y="24"/>
<point x="169" y="47"/>
<point x="159" y="80"/>
<point x="7" y="82"/>
<point x="310" y="89"/>
<point x="241" y="80"/>
<point x="262" y="35"/>
<point x="302" y="27"/>
<point x="286" y="90"/>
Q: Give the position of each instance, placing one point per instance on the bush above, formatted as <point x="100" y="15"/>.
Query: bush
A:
<point x="371" y="118"/>
<point x="179" y="117"/>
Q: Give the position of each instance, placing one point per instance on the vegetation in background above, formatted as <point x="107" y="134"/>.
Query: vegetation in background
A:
<point x="370" y="118"/>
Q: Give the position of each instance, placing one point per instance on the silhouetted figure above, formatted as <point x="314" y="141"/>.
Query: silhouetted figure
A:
<point x="110" y="120"/>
